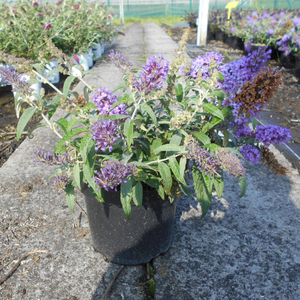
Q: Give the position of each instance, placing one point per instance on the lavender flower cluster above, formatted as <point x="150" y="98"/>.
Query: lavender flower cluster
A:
<point x="104" y="99"/>
<point x="228" y="161"/>
<point x="105" y="133"/>
<point x="119" y="60"/>
<point x="272" y="134"/>
<point x="15" y="79"/>
<point x="113" y="173"/>
<point x="202" y="64"/>
<point x="250" y="153"/>
<point x="202" y="159"/>
<point x="48" y="158"/>
<point x="153" y="75"/>
<point x="60" y="181"/>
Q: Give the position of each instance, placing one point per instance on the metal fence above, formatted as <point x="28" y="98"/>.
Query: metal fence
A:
<point x="152" y="8"/>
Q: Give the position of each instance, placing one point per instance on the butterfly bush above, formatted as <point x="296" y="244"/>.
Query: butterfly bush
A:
<point x="279" y="29"/>
<point x="165" y="121"/>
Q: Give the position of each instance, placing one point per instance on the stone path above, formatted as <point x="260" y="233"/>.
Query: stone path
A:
<point x="245" y="248"/>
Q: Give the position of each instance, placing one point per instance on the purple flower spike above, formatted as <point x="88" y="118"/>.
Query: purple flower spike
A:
<point x="202" y="63"/>
<point x="250" y="153"/>
<point x="105" y="134"/>
<point x="60" y="181"/>
<point x="203" y="160"/>
<point x="119" y="60"/>
<point x="272" y="134"/>
<point x="153" y="74"/>
<point x="270" y="31"/>
<point x="229" y="162"/>
<point x="104" y="99"/>
<point x="15" y="79"/>
<point x="113" y="174"/>
<point x="48" y="158"/>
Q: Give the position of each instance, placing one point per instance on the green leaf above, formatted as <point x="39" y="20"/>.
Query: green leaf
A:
<point x="182" y="166"/>
<point x="70" y="196"/>
<point x="213" y="110"/>
<point x="67" y="85"/>
<point x="63" y="124"/>
<point x="201" y="191"/>
<point x="220" y="94"/>
<point x="72" y="123"/>
<point x="243" y="185"/>
<point x="86" y="93"/>
<point x="212" y="146"/>
<point x="202" y="137"/>
<point x="254" y="122"/>
<point x="121" y="86"/>
<point x="226" y="137"/>
<point x="61" y="143"/>
<point x="169" y="147"/>
<point x="175" y="140"/>
<point x="83" y="146"/>
<point x="166" y="176"/>
<point x="126" y="157"/>
<point x="52" y="72"/>
<point x="25" y="117"/>
<point x="179" y="92"/>
<point x="219" y="184"/>
<point x="137" y="192"/>
<point x="34" y="128"/>
<point x="51" y="110"/>
<point x="126" y="196"/>
<point x="185" y="191"/>
<point x="221" y="77"/>
<point x="150" y="112"/>
<point x="37" y="67"/>
<point x="176" y="169"/>
<point x="128" y="132"/>
<point x="77" y="178"/>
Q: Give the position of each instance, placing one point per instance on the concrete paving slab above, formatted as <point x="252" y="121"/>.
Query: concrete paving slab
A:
<point x="246" y="248"/>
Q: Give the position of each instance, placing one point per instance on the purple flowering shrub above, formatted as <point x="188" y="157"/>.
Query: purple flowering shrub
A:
<point x="169" y="119"/>
<point x="274" y="28"/>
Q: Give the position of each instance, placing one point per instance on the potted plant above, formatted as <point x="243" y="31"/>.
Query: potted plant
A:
<point x="132" y="153"/>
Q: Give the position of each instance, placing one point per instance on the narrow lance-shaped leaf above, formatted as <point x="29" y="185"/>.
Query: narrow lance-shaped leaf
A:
<point x="25" y="117"/>
<point x="243" y="185"/>
<point x="213" y="110"/>
<point x="126" y="196"/>
<point x="67" y="85"/>
<point x="176" y="169"/>
<point x="150" y="112"/>
<point x="77" y="179"/>
<point x="70" y="196"/>
<point x="166" y="176"/>
<point x="83" y="146"/>
<point x="128" y="131"/>
<point x="202" y="194"/>
<point x="182" y="166"/>
<point x="202" y="137"/>
<point x="219" y="184"/>
<point x="137" y="193"/>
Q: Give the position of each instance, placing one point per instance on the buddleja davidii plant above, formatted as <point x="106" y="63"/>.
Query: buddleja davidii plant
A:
<point x="156" y="136"/>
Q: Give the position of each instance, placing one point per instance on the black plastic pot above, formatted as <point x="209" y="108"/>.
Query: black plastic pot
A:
<point x="147" y="234"/>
